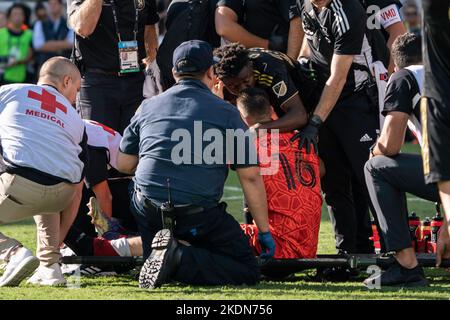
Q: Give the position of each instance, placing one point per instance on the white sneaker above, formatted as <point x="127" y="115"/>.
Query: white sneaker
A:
<point x="48" y="276"/>
<point x="19" y="266"/>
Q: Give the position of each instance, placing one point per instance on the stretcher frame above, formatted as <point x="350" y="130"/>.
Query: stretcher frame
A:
<point x="283" y="265"/>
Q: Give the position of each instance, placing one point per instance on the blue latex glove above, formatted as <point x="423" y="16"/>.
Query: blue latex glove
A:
<point x="267" y="245"/>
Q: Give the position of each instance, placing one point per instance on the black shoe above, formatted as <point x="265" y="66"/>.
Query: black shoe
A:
<point x="398" y="276"/>
<point x="163" y="261"/>
<point x="336" y="274"/>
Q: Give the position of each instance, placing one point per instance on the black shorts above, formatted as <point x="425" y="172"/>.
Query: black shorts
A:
<point x="436" y="140"/>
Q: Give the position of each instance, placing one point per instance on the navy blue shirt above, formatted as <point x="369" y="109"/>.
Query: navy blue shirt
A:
<point x="167" y="134"/>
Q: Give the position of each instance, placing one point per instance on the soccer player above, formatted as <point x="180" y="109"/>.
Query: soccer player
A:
<point x="274" y="72"/>
<point x="293" y="192"/>
<point x="436" y="106"/>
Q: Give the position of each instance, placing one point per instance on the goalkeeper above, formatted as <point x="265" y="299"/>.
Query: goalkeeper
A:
<point x="293" y="189"/>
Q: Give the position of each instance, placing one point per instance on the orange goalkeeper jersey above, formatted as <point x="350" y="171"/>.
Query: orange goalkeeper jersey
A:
<point x="294" y="199"/>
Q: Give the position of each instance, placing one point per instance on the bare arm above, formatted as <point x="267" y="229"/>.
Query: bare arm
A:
<point x="127" y="163"/>
<point x="227" y="26"/>
<point x="68" y="215"/>
<point x="295" y="39"/>
<point x="255" y="194"/>
<point x="84" y="20"/>
<point x="104" y="197"/>
<point x="340" y="66"/>
<point x="22" y="61"/>
<point x="395" y="30"/>
<point x="151" y="43"/>
<point x="392" y="135"/>
<point x="294" y="118"/>
<point x="305" y="51"/>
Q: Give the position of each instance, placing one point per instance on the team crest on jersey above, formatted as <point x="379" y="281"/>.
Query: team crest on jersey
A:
<point x="140" y="4"/>
<point x="280" y="89"/>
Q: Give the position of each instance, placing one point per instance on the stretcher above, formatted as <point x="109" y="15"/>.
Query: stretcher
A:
<point x="283" y="265"/>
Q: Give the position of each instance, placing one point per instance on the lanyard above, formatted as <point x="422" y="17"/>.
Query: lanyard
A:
<point x="116" y="21"/>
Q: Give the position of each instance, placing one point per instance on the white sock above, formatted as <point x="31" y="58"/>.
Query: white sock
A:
<point x="122" y="247"/>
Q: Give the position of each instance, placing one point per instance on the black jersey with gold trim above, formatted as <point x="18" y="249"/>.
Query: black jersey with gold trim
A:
<point x="273" y="72"/>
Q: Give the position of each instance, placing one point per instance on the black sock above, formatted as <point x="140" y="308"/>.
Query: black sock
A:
<point x="79" y="242"/>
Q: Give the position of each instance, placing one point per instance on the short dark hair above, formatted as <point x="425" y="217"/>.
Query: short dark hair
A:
<point x="254" y="101"/>
<point x="233" y="58"/>
<point x="39" y="6"/>
<point x="16" y="6"/>
<point x="407" y="50"/>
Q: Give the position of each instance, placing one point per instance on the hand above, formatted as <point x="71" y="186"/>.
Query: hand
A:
<point x="147" y="61"/>
<point x="309" y="135"/>
<point x="276" y="41"/>
<point x="443" y="246"/>
<point x="13" y="64"/>
<point x="267" y="245"/>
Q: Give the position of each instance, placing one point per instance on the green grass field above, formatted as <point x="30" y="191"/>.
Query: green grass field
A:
<point x="300" y="287"/>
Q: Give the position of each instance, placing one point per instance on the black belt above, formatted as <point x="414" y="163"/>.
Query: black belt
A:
<point x="179" y="210"/>
<point x="109" y="72"/>
<point x="35" y="176"/>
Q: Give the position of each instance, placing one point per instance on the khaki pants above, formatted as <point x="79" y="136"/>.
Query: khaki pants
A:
<point x="21" y="198"/>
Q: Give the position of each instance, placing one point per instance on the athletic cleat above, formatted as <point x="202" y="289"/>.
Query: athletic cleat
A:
<point x="85" y="270"/>
<point x="398" y="276"/>
<point x="98" y="218"/>
<point x="21" y="264"/>
<point x="336" y="274"/>
<point x="163" y="261"/>
<point x="48" y="276"/>
<point x="107" y="228"/>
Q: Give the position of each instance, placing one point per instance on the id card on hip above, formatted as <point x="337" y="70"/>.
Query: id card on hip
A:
<point x="128" y="55"/>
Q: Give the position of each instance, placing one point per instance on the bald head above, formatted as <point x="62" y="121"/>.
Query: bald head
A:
<point x="56" y="68"/>
<point x="61" y="73"/>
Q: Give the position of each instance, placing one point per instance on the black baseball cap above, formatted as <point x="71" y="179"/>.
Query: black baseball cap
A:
<point x="193" y="56"/>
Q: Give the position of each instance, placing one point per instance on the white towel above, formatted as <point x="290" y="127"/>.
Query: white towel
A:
<point x="381" y="75"/>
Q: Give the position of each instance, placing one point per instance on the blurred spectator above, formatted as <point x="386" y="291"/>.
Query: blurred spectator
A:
<point x="27" y="14"/>
<point x="15" y="47"/>
<point x="3" y="20"/>
<point x="412" y="18"/>
<point x="52" y="37"/>
<point x="40" y="12"/>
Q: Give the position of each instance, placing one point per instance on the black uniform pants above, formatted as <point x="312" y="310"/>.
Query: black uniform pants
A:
<point x="219" y="254"/>
<point x="344" y="142"/>
<point x="110" y="99"/>
<point x="388" y="179"/>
